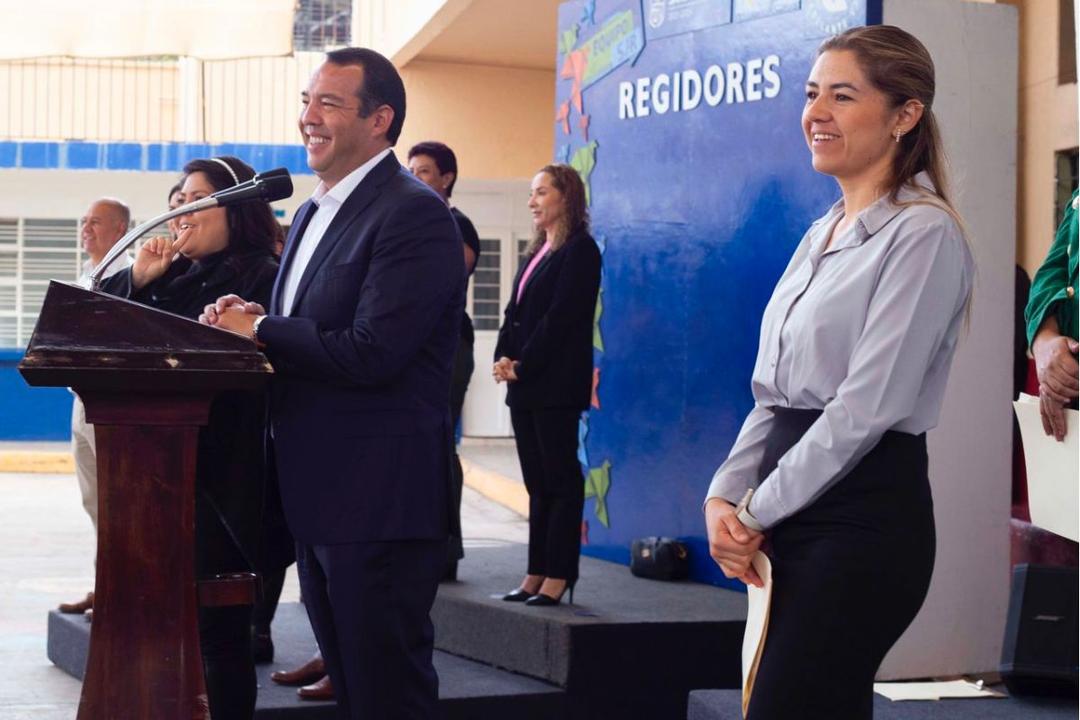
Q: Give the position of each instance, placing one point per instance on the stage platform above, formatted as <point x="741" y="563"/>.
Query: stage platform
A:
<point x="727" y="705"/>
<point x="468" y="690"/>
<point x="628" y="648"/>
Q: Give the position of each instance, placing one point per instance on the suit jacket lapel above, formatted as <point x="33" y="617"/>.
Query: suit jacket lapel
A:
<point x="536" y="271"/>
<point x="296" y="232"/>
<point x="365" y="193"/>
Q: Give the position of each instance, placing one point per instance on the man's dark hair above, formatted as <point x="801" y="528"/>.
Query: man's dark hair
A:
<point x="173" y="190"/>
<point x="443" y="156"/>
<point x="382" y="85"/>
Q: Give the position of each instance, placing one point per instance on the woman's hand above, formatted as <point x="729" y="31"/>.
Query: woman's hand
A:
<point x="732" y="544"/>
<point x="153" y="259"/>
<point x="503" y="370"/>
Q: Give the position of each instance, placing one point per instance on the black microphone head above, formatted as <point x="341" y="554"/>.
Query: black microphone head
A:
<point x="276" y="172"/>
<point x="275" y="187"/>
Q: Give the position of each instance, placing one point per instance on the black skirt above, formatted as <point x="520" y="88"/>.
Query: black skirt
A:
<point x="850" y="571"/>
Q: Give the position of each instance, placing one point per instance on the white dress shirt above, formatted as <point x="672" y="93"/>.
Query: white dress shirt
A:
<point x="328" y="202"/>
<point x="864" y="331"/>
<point x="122" y="262"/>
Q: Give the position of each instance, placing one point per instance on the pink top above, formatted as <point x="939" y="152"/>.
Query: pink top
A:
<point x="532" y="266"/>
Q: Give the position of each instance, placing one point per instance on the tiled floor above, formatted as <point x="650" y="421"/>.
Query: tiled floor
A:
<point x="46" y="557"/>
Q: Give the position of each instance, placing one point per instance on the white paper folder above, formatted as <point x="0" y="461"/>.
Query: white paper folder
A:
<point x="1053" y="470"/>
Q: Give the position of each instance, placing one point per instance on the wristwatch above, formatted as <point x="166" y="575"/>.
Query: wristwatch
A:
<point x="255" y="328"/>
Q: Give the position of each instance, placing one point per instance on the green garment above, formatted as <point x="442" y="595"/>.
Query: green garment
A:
<point x="1053" y="290"/>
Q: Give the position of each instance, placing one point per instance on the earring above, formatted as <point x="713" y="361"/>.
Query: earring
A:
<point x="899" y="134"/>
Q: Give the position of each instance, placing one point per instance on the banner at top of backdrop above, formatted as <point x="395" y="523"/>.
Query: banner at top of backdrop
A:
<point x="205" y="29"/>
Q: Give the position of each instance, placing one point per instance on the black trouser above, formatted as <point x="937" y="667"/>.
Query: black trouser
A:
<point x="850" y="572"/>
<point x="224" y="632"/>
<point x="369" y="606"/>
<point x="547" y="443"/>
<point x="462" y="371"/>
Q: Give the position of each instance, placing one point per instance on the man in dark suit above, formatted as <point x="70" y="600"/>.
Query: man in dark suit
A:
<point x="361" y="332"/>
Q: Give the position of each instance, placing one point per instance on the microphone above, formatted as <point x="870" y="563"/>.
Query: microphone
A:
<point x="271" y="185"/>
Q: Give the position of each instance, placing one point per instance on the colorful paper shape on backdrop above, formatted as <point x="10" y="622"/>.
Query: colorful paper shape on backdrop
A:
<point x="597" y="485"/>
<point x="597" y="338"/>
<point x="584" y="160"/>
<point x="563" y="117"/>
<point x="583" y="124"/>
<point x="582" y="436"/>
<point x="588" y="12"/>
<point x="568" y="39"/>
<point x="595" y="401"/>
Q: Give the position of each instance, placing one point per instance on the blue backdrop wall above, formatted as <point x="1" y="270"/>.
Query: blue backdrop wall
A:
<point x="684" y="119"/>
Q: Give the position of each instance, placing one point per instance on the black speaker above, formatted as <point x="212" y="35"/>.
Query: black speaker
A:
<point x="1039" y="656"/>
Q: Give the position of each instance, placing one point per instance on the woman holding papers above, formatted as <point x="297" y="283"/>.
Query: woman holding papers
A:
<point x="856" y="345"/>
<point x="216" y="252"/>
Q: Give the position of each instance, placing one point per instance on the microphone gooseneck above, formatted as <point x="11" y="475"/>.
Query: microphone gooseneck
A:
<point x="269" y="186"/>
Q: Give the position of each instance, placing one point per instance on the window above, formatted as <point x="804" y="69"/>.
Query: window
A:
<point x="32" y="252"/>
<point x="1066" y="42"/>
<point x="1065" y="162"/>
<point x="322" y="25"/>
<point x="487" y="281"/>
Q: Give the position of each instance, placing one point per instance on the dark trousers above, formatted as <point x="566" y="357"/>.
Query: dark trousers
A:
<point x="849" y="574"/>
<point x="547" y="442"/>
<point x="224" y="632"/>
<point x="462" y="371"/>
<point x="369" y="606"/>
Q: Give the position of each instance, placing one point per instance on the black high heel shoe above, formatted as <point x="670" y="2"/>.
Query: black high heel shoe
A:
<point x="542" y="600"/>
<point x="519" y="595"/>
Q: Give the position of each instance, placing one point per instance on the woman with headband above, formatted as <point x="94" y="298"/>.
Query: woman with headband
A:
<point x="217" y="252"/>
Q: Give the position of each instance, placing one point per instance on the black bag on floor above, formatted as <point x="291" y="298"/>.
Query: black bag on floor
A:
<point x="659" y="558"/>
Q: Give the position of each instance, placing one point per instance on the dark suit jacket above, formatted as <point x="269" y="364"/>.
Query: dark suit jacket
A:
<point x="550" y="332"/>
<point x="360" y="399"/>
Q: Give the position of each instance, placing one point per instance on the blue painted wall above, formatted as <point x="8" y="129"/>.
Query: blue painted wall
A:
<point x="148" y="157"/>
<point x="28" y="413"/>
<point x="697" y="213"/>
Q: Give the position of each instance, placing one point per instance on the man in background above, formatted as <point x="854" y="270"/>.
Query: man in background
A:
<point x="436" y="165"/>
<point x="104" y="223"/>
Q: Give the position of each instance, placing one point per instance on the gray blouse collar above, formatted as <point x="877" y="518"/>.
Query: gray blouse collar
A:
<point x="874" y="217"/>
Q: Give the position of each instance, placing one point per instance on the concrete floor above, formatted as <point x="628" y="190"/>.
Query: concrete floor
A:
<point x="47" y="555"/>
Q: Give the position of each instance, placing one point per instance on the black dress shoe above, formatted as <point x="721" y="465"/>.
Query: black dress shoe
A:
<point x="262" y="648"/>
<point x="519" y="595"/>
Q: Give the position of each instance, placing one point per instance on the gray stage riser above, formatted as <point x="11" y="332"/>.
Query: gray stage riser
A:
<point x="469" y="690"/>
<point x="727" y="705"/>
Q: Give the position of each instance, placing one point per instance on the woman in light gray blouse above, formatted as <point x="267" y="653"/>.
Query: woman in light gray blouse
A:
<point x="856" y="345"/>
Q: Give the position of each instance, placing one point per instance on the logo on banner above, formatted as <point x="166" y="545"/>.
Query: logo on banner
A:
<point x="656" y="13"/>
<point x="833" y="17"/>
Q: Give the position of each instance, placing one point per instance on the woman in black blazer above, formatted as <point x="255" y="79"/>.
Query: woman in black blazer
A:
<point x="544" y="354"/>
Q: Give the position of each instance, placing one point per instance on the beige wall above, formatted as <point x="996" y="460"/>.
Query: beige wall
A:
<point x="1048" y="122"/>
<point x="65" y="99"/>
<point x="500" y="121"/>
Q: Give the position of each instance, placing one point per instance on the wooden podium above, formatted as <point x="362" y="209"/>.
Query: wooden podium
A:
<point x="147" y="379"/>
